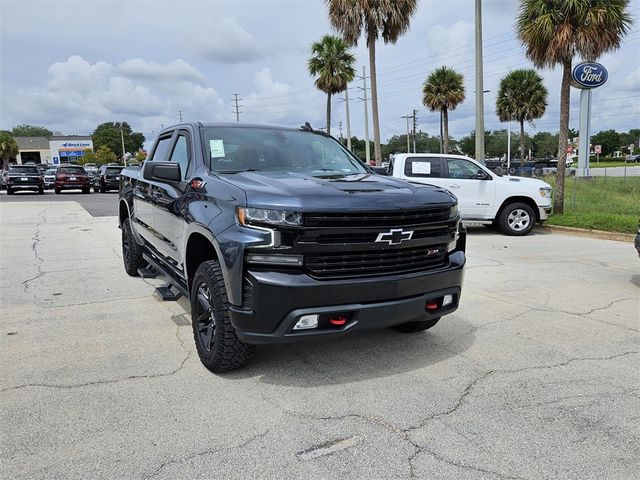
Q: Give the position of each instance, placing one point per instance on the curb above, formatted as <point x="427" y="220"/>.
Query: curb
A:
<point x="583" y="232"/>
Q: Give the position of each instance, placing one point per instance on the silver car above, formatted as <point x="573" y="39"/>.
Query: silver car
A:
<point x="50" y="177"/>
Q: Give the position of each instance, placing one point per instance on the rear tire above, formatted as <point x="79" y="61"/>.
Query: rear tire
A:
<point x="96" y="189"/>
<point x="103" y="189"/>
<point x="218" y="347"/>
<point x="516" y="219"/>
<point x="57" y="190"/>
<point x="86" y="190"/>
<point x="41" y="191"/>
<point x="131" y="251"/>
<point x="413" y="327"/>
<point x="10" y="191"/>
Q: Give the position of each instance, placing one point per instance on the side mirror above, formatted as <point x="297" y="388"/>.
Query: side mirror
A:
<point x="162" y="172"/>
<point x="482" y="175"/>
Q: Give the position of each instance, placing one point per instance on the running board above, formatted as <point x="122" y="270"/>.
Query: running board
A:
<point x="147" y="272"/>
<point x="174" y="289"/>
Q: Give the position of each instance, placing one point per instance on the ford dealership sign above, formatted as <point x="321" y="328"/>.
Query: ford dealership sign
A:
<point x="589" y="75"/>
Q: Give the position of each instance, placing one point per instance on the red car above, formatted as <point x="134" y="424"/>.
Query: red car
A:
<point x="72" y="177"/>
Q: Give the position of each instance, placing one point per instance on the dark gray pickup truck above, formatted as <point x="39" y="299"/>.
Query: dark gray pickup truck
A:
<point x="281" y="234"/>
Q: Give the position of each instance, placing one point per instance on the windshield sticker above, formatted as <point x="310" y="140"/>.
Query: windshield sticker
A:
<point x="217" y="148"/>
<point x="423" y="168"/>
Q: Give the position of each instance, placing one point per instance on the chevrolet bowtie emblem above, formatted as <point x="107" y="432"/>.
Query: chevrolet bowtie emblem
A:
<point x="395" y="236"/>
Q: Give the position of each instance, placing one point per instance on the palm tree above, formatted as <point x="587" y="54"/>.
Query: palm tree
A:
<point x="521" y="97"/>
<point x="332" y="62"/>
<point x="553" y="32"/>
<point x="443" y="90"/>
<point x="8" y="148"/>
<point x="388" y="19"/>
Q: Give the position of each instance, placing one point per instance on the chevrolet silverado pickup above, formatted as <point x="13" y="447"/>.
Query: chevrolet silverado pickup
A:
<point x="280" y="234"/>
<point x="514" y="204"/>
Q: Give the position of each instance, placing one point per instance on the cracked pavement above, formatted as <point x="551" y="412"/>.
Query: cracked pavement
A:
<point x="534" y="377"/>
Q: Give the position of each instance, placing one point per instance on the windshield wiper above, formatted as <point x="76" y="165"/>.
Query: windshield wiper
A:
<point x="240" y="171"/>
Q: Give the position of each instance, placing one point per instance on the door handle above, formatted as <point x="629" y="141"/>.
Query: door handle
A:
<point x="455" y="185"/>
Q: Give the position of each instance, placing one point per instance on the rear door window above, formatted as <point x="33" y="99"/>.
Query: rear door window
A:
<point x="423" y="167"/>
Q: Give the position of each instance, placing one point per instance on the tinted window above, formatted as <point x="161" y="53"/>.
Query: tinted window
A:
<point x="160" y="153"/>
<point x="422" y="167"/>
<point x="464" y="169"/>
<point x="72" y="170"/>
<point x="271" y="149"/>
<point x="51" y="171"/>
<point x="23" y="169"/>
<point x="113" y="170"/>
<point x="180" y="154"/>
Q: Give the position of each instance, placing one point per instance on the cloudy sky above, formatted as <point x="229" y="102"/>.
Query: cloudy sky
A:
<point x="70" y="65"/>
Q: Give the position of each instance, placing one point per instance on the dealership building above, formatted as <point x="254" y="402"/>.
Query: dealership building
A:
<point x="55" y="149"/>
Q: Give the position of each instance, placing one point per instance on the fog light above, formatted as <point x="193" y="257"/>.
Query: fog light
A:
<point x="307" y="322"/>
<point x="447" y="300"/>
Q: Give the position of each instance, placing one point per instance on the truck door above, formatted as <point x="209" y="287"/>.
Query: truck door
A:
<point x="170" y="207"/>
<point x="474" y="187"/>
<point x="142" y="192"/>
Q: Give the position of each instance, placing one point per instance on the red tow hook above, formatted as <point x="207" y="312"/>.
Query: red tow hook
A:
<point x="338" y="321"/>
<point x="431" y="306"/>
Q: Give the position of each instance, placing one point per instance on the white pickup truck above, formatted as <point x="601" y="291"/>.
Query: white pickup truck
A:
<point x="512" y="203"/>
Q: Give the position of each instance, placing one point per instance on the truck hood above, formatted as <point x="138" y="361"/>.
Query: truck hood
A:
<point x="523" y="182"/>
<point x="300" y="192"/>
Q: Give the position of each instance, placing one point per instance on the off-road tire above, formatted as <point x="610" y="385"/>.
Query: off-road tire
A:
<point x="131" y="251"/>
<point x="511" y="219"/>
<point x="413" y="327"/>
<point x="225" y="352"/>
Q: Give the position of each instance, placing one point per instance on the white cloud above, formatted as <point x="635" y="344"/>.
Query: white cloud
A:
<point x="178" y="70"/>
<point x="227" y="42"/>
<point x="125" y="98"/>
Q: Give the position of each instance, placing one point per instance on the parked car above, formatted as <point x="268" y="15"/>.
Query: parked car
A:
<point x="282" y="235"/>
<point x="107" y="178"/>
<point x="514" y="204"/>
<point x="23" y="177"/>
<point x="72" y="177"/>
<point x="91" y="169"/>
<point x="50" y="177"/>
<point x="633" y="159"/>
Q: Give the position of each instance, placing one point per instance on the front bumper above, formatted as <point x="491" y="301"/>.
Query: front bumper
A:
<point x="279" y="299"/>
<point x="543" y="213"/>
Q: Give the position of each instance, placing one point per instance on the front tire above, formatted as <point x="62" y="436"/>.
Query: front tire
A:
<point x="516" y="219"/>
<point x="413" y="327"/>
<point x="218" y="347"/>
<point x="131" y="251"/>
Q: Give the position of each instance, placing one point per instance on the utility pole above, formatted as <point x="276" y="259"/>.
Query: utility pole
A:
<point x="415" y="121"/>
<point x="237" y="106"/>
<point x="180" y="115"/>
<point x="509" y="145"/>
<point x="407" y="117"/>
<point x="366" y="116"/>
<point x="479" y="86"/>
<point x="340" y="127"/>
<point x="346" y="102"/>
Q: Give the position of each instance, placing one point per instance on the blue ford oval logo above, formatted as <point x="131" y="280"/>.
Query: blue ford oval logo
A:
<point x="589" y="75"/>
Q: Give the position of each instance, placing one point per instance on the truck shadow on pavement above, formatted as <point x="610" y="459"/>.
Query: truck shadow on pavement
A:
<point x="358" y="356"/>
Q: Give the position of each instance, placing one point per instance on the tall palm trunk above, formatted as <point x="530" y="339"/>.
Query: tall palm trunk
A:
<point x="522" y="154"/>
<point x="445" y="128"/>
<point x="441" y="135"/>
<point x="565" y="97"/>
<point x="371" y="44"/>
<point x="329" y="113"/>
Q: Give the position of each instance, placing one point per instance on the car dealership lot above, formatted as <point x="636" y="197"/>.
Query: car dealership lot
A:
<point x="535" y="376"/>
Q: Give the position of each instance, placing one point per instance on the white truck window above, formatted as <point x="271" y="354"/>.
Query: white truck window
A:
<point x="422" y="167"/>
<point x="459" y="168"/>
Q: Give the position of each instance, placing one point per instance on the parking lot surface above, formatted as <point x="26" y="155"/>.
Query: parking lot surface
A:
<point x="97" y="204"/>
<point x="535" y="376"/>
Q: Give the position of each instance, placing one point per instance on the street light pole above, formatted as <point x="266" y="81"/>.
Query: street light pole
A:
<point x="122" y="140"/>
<point x="479" y="85"/>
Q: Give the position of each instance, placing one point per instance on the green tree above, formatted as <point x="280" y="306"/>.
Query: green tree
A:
<point x="522" y="97"/>
<point x="332" y="64"/>
<point x="108" y="135"/>
<point x="105" y="155"/>
<point x="141" y="156"/>
<point x="609" y="139"/>
<point x="443" y="90"/>
<point x="553" y="32"/>
<point x="25" y="130"/>
<point x="8" y="147"/>
<point x="631" y="137"/>
<point x="388" y="19"/>
<point x="545" y="144"/>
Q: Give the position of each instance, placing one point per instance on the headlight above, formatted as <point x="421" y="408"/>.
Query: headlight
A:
<point x="545" y="192"/>
<point x="454" y="211"/>
<point x="247" y="216"/>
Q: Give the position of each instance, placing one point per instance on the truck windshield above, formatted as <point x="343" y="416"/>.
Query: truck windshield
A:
<point x="233" y="150"/>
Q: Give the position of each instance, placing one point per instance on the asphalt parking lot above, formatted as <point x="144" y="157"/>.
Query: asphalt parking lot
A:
<point x="534" y="377"/>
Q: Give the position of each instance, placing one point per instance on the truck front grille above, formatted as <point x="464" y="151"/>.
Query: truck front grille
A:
<point x="375" y="262"/>
<point x="402" y="218"/>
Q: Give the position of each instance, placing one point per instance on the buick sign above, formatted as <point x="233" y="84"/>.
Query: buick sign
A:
<point x="589" y="75"/>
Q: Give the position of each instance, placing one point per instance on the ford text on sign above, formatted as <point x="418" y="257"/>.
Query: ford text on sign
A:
<point x="589" y="75"/>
